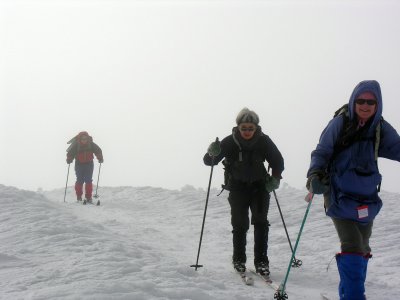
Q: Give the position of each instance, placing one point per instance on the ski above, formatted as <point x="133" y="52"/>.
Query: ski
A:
<point x="84" y="202"/>
<point x="267" y="279"/>
<point x="246" y="278"/>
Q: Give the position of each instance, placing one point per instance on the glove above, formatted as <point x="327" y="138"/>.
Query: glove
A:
<point x="69" y="160"/>
<point x="101" y="160"/>
<point x="317" y="184"/>
<point x="272" y="183"/>
<point x="214" y="149"/>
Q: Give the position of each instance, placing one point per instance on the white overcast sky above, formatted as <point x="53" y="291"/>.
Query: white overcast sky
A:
<point x="154" y="82"/>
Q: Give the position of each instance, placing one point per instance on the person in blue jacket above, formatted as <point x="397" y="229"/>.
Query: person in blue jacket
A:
<point x="344" y="169"/>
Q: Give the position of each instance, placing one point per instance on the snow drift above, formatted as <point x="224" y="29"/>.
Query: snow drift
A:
<point x="140" y="243"/>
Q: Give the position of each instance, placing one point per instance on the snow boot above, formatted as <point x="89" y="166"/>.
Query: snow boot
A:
<point x="262" y="267"/>
<point x="353" y="271"/>
<point x="239" y="266"/>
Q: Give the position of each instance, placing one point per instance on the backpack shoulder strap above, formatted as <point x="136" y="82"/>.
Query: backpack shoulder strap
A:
<point x="378" y="131"/>
<point x="240" y="148"/>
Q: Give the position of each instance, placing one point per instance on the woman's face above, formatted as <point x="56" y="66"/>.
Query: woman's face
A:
<point x="365" y="106"/>
<point x="84" y="139"/>
<point x="247" y="130"/>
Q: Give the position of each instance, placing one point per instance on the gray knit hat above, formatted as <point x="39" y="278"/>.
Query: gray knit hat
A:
<point x="247" y="116"/>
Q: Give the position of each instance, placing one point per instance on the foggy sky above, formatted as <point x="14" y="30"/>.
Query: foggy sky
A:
<point x="154" y="82"/>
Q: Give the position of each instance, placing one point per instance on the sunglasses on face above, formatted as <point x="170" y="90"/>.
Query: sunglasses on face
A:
<point x="250" y="129"/>
<point x="363" y="101"/>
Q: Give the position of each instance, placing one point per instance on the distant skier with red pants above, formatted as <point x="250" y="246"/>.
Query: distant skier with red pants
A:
<point x="82" y="149"/>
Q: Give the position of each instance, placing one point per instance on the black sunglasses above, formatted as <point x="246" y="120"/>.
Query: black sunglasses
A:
<point x="363" y="101"/>
<point x="251" y="129"/>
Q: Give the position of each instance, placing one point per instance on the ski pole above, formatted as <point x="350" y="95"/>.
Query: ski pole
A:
<point x="97" y="186"/>
<point x="196" y="266"/>
<point x="280" y="293"/>
<point x="296" y="262"/>
<point x="66" y="184"/>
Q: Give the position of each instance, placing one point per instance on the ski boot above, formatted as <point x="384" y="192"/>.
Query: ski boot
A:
<point x="239" y="266"/>
<point x="262" y="268"/>
<point x="88" y="199"/>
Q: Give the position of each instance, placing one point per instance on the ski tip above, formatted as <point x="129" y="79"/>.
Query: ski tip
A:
<point x="249" y="281"/>
<point x="324" y="296"/>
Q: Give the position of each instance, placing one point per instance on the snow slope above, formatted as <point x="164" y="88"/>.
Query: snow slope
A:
<point x="140" y="243"/>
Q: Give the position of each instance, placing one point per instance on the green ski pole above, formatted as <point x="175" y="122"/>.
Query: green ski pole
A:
<point x="280" y="293"/>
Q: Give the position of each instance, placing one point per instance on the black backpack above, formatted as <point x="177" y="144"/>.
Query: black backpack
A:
<point x="350" y="134"/>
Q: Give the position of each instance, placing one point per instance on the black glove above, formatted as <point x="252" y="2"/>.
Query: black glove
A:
<point x="69" y="160"/>
<point x="317" y="183"/>
<point x="272" y="183"/>
<point x="214" y="149"/>
<point x="101" y="160"/>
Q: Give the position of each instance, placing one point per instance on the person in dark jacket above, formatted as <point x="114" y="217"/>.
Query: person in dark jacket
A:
<point x="249" y="184"/>
<point x="344" y="168"/>
<point x="82" y="149"/>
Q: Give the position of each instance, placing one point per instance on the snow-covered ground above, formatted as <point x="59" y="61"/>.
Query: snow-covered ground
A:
<point x="139" y="244"/>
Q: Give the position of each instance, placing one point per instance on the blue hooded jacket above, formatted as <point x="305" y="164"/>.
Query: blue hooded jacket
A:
<point x="353" y="172"/>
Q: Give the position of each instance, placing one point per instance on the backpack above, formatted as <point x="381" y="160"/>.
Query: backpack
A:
<point x="236" y="172"/>
<point x="72" y="143"/>
<point x="350" y="135"/>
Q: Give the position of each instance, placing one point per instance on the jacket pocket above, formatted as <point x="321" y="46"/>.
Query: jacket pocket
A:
<point x="352" y="182"/>
<point x="355" y="209"/>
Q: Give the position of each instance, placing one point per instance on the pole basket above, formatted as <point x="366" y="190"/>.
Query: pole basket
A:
<point x="196" y="266"/>
<point x="280" y="295"/>
<point x="296" y="263"/>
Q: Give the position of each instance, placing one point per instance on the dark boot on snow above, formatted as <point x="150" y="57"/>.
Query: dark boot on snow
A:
<point x="262" y="267"/>
<point x="239" y="266"/>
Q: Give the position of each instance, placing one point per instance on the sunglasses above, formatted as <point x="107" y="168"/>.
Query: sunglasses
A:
<point x="250" y="129"/>
<point x="363" y="101"/>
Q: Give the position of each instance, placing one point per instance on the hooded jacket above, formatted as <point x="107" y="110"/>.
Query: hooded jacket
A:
<point x="244" y="160"/>
<point x="353" y="172"/>
<point x="83" y="153"/>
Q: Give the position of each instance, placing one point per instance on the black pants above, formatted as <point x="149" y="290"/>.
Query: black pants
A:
<point x="258" y="202"/>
